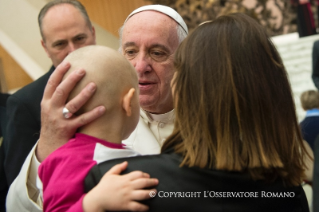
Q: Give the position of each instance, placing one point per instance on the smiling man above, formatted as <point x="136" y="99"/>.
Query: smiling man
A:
<point x="152" y="54"/>
<point x="150" y="47"/>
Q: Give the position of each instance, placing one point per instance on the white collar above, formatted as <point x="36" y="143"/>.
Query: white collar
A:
<point x="164" y="118"/>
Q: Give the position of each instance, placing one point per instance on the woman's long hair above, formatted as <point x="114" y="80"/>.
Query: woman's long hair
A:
<point x="233" y="102"/>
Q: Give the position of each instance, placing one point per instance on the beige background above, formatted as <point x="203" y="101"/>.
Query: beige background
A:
<point x="23" y="58"/>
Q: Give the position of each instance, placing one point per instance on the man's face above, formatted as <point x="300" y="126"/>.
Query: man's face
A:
<point x="149" y="42"/>
<point x="65" y="30"/>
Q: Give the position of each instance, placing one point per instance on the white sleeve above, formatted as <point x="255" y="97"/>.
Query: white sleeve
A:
<point x="23" y="193"/>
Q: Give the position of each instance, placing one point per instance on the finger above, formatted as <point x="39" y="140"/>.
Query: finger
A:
<point x="63" y="90"/>
<point x="141" y="183"/>
<point x="77" y="102"/>
<point x="136" y="206"/>
<point x="136" y="175"/>
<point x="87" y="117"/>
<point x="139" y="195"/>
<point x="55" y="79"/>
<point x="117" y="169"/>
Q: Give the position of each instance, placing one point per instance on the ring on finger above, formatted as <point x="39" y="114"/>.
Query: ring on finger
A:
<point x="66" y="113"/>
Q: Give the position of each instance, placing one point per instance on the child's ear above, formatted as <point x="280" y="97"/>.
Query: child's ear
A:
<point x="127" y="101"/>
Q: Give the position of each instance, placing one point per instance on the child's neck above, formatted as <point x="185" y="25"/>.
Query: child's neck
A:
<point x="105" y="131"/>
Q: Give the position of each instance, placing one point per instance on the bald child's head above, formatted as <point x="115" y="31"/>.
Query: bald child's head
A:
<point x="108" y="69"/>
<point x="116" y="89"/>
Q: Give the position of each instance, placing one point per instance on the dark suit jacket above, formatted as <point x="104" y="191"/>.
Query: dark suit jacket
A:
<point x="194" y="189"/>
<point x="315" y="63"/>
<point x="3" y="101"/>
<point x="315" y="182"/>
<point x="23" y="124"/>
<point x="3" y="181"/>
<point x="310" y="129"/>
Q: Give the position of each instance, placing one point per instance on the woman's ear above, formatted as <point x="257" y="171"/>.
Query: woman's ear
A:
<point x="127" y="101"/>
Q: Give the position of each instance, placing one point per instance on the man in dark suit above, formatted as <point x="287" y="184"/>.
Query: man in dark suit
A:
<point x="315" y="182"/>
<point x="315" y="63"/>
<point x="65" y="27"/>
<point x="3" y="184"/>
<point x="3" y="100"/>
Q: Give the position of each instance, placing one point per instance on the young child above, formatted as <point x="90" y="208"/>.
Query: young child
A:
<point x="310" y="125"/>
<point x="63" y="172"/>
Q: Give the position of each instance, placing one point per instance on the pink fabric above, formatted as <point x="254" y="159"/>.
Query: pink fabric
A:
<point x="64" y="171"/>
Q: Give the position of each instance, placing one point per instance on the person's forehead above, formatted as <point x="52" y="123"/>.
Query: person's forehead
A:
<point x="149" y="16"/>
<point x="59" y="16"/>
<point x="164" y="10"/>
<point x="150" y="28"/>
<point x="62" y="11"/>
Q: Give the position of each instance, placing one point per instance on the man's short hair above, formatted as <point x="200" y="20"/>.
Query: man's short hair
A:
<point x="309" y="99"/>
<point x="51" y="4"/>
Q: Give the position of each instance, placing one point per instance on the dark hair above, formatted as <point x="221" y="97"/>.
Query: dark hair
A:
<point x="233" y="103"/>
<point x="51" y="4"/>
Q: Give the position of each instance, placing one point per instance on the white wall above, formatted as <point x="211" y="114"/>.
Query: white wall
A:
<point x="296" y="54"/>
<point x="20" y="36"/>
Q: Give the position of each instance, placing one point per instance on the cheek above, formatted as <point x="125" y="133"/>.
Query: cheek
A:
<point x="172" y="83"/>
<point x="62" y="54"/>
<point x="55" y="57"/>
<point x="91" y="41"/>
<point x="56" y="53"/>
<point x="165" y="74"/>
<point x="168" y="80"/>
<point x="59" y="58"/>
<point x="51" y="52"/>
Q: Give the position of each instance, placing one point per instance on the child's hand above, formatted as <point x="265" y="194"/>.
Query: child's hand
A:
<point x="120" y="192"/>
